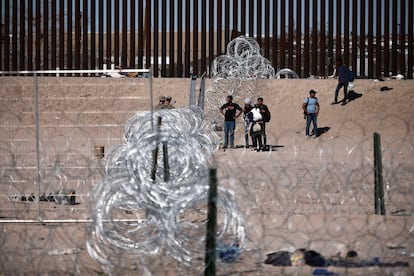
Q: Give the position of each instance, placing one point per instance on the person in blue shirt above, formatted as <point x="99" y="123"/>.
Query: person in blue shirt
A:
<point x="344" y="75"/>
<point x="311" y="109"/>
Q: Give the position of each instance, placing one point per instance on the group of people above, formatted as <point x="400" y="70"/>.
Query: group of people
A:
<point x="255" y="118"/>
<point x="165" y="103"/>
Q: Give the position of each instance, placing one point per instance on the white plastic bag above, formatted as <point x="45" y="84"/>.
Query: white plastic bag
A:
<point x="257" y="116"/>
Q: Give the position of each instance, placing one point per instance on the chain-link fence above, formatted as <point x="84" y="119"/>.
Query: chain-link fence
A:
<point x="316" y="194"/>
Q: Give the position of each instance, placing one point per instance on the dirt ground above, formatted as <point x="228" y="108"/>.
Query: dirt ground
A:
<point x="304" y="193"/>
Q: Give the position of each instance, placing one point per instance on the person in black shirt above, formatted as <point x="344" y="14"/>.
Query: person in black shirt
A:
<point x="230" y="111"/>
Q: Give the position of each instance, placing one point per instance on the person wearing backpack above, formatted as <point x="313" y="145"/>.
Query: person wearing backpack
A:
<point x="344" y="75"/>
<point x="311" y="110"/>
<point x="264" y="110"/>
<point x="256" y="126"/>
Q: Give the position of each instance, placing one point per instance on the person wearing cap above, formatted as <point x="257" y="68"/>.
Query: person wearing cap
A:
<point x="161" y="104"/>
<point x="168" y="103"/>
<point x="311" y="109"/>
<point x="231" y="111"/>
<point x="246" y="110"/>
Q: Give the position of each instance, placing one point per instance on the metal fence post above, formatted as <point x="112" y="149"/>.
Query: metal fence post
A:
<point x="379" y="188"/>
<point x="210" y="260"/>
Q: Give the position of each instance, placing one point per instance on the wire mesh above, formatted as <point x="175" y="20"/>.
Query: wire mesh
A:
<point x="314" y="194"/>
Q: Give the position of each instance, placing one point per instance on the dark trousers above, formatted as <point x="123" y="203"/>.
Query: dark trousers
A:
<point x="338" y="87"/>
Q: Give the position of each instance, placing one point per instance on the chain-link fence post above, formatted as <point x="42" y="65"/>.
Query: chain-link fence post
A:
<point x="379" y="189"/>
<point x="210" y="260"/>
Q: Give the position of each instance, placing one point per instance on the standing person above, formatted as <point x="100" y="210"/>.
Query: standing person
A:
<point x="168" y="103"/>
<point x="161" y="103"/>
<point x="256" y="127"/>
<point x="247" y="108"/>
<point x="228" y="110"/>
<point x="311" y="109"/>
<point x="264" y="110"/>
<point x="343" y="73"/>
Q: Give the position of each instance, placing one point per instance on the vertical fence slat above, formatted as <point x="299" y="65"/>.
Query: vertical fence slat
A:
<point x="195" y="37"/>
<point x="147" y="27"/>
<point x="378" y="41"/>
<point x="141" y="34"/>
<point x="362" y="40"/>
<point x="298" y="68"/>
<point x="108" y="33"/>
<point x="370" y="38"/>
<point x="394" y="56"/>
<point x="29" y="35"/>
<point x="290" y="35"/>
<point x="61" y="35"/>
<point x="330" y="37"/>
<point x="259" y="22"/>
<point x="46" y="49"/>
<point x="402" y="38"/>
<point x="100" y="34"/>
<point x="338" y="36"/>
<point x="69" y="34"/>
<point x="6" y="36"/>
<point x="346" y="32"/>
<point x="85" y="52"/>
<point x="386" y="38"/>
<point x="38" y="35"/>
<point x="219" y="27"/>
<point x="124" y="35"/>
<point x="77" y="34"/>
<point x="283" y="34"/>
<point x="163" y="38"/>
<point x="187" y="54"/>
<point x="211" y="54"/>
<point x="92" y="35"/>
<point x="172" y="41"/>
<point x="226" y="22"/>
<point x="267" y="30"/>
<point x="53" y="36"/>
<point x="250" y="17"/>
<point x="235" y="16"/>
<point x="116" y="33"/>
<point x="322" y="53"/>
<point x="306" y="41"/>
<point x="243" y="6"/>
<point x="1" y="38"/>
<point x="22" y="36"/>
<point x="354" y="35"/>
<point x="315" y="45"/>
<point x="156" y="39"/>
<point x="14" y="35"/>
<point x="179" y="39"/>
<point x="203" y="36"/>
<point x="274" y="36"/>
<point x="410" y="39"/>
<point x="132" y="13"/>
